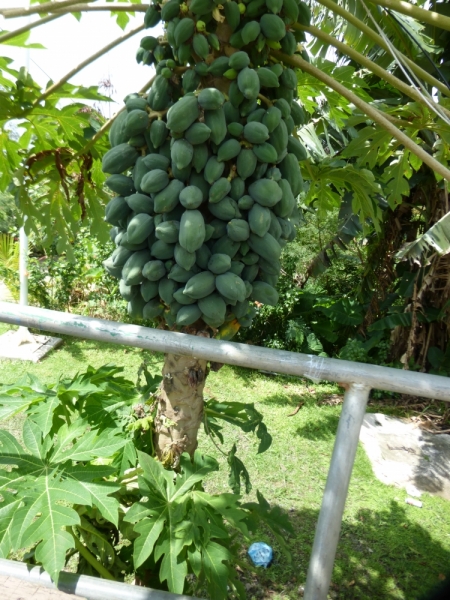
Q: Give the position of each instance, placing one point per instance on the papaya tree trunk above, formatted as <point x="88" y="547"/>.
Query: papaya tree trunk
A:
<point x="180" y="407"/>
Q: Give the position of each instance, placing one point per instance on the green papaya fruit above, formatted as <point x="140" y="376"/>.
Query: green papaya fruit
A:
<point x="187" y="315"/>
<point x="191" y="197"/>
<point x="197" y="133"/>
<point x="182" y="114"/>
<point x="154" y="270"/>
<point x="200" y="285"/>
<point x="248" y="83"/>
<point x="192" y="230"/>
<point x="211" y="99"/>
<point x="190" y="80"/>
<point x="119" y="159"/>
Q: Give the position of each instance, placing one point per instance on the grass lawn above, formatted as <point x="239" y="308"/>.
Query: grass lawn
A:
<point x="387" y="550"/>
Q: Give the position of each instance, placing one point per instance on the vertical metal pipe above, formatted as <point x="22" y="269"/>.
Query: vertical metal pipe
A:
<point x="336" y="489"/>
<point x="23" y="238"/>
<point x="23" y="266"/>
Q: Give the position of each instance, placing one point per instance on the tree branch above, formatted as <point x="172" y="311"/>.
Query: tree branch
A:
<point x="71" y="6"/>
<point x="109" y="7"/>
<point x="4" y="37"/>
<point x="370" y="65"/>
<point x="370" y="111"/>
<point x="422" y="15"/>
<point x="86" y="62"/>
<point x="12" y="13"/>
<point x="105" y="127"/>
<point x="331" y="5"/>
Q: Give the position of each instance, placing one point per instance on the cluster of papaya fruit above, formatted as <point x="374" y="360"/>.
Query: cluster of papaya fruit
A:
<point x="206" y="167"/>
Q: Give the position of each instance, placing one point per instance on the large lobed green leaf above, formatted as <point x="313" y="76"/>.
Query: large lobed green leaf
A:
<point x="181" y="526"/>
<point x="48" y="478"/>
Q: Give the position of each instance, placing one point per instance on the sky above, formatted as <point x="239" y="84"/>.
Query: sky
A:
<point x="68" y="42"/>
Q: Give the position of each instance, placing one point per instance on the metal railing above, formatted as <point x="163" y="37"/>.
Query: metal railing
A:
<point x="358" y="379"/>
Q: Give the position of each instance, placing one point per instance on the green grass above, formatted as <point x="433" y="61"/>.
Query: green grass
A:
<point x="387" y="550"/>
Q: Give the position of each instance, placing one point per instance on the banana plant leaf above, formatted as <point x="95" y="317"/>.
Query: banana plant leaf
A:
<point x="436" y="240"/>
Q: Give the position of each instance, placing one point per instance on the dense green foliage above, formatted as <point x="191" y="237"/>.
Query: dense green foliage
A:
<point x="387" y="551"/>
<point x="82" y="476"/>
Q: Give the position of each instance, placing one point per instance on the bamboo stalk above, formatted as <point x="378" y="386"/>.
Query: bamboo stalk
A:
<point x="11" y="13"/>
<point x="331" y="5"/>
<point x="105" y="127"/>
<point x="422" y="15"/>
<point x="370" y="111"/>
<point x="12" y="34"/>
<point x="86" y="62"/>
<point x="369" y="64"/>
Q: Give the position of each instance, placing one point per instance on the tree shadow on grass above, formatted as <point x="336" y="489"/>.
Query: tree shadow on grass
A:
<point x="322" y="428"/>
<point x="79" y="348"/>
<point x="382" y="555"/>
<point x="289" y="399"/>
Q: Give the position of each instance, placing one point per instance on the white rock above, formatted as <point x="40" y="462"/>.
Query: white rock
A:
<point x="404" y="455"/>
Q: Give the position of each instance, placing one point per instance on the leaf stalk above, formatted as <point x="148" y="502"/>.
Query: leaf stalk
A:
<point x="11" y="13"/>
<point x="373" y="113"/>
<point x="9" y="35"/>
<point x="87" y="62"/>
<point x="397" y="83"/>
<point x="411" y="10"/>
<point x="375" y="37"/>
<point x="90" y="558"/>
<point x="106" y="126"/>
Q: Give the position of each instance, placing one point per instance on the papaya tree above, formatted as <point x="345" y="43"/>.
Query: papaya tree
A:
<point x="206" y="168"/>
<point x="206" y="171"/>
<point x="207" y="163"/>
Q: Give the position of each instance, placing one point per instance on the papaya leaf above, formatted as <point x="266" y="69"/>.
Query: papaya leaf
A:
<point x="47" y="485"/>
<point x="332" y="179"/>
<point x="149" y="530"/>
<point x="396" y="184"/>
<point x="17" y="398"/>
<point x="122" y="18"/>
<point x="370" y="147"/>
<point x="8" y="507"/>
<point x="344" y="312"/>
<point x="175" y="514"/>
<point x="222" y="506"/>
<point x="216" y="571"/>
<point x="273" y="518"/>
<point x="238" y="471"/>
<point x="21" y="41"/>
<point x="242" y="415"/>
<point x="43" y="413"/>
<point x="174" y="565"/>
<point x="193" y="471"/>
<point x="265" y="437"/>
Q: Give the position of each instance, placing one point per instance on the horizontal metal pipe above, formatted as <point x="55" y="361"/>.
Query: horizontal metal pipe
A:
<point x="312" y="367"/>
<point x="91" y="588"/>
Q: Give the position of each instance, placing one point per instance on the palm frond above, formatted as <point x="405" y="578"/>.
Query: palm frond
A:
<point x="9" y="252"/>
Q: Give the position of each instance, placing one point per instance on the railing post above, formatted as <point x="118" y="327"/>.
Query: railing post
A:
<point x="336" y="489"/>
